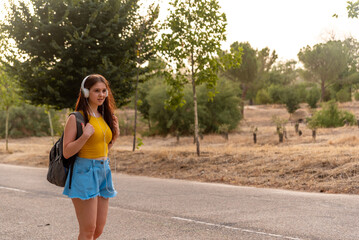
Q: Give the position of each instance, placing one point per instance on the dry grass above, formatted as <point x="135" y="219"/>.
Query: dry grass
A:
<point x="329" y="164"/>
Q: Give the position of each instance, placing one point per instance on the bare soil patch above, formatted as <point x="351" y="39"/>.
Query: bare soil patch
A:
<point x="329" y="164"/>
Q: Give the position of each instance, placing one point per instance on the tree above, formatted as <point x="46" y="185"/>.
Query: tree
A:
<point x="349" y="78"/>
<point x="223" y="110"/>
<point x="57" y="43"/>
<point x="156" y="67"/>
<point x="265" y="61"/>
<point x="194" y="30"/>
<point x="251" y="71"/>
<point x="291" y="99"/>
<point x="313" y="96"/>
<point x="282" y="73"/>
<point x="8" y="98"/>
<point x="246" y="72"/>
<point x="324" y="62"/>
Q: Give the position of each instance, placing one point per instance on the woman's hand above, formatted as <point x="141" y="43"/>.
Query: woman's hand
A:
<point x="116" y="126"/>
<point x="87" y="130"/>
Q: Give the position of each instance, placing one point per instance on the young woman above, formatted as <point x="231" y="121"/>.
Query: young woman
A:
<point x="91" y="185"/>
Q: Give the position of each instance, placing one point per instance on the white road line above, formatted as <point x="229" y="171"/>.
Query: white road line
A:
<point x="234" y="228"/>
<point x="14" y="189"/>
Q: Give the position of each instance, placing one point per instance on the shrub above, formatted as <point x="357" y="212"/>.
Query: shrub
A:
<point x="222" y="110"/>
<point x="28" y="120"/>
<point x="263" y="97"/>
<point x="356" y="96"/>
<point x="211" y="114"/>
<point x="166" y="120"/>
<point x="343" y="95"/>
<point x="313" y="97"/>
<point x="276" y="93"/>
<point x="291" y="99"/>
<point x="301" y="91"/>
<point x="331" y="116"/>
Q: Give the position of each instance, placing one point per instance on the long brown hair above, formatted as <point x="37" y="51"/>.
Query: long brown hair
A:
<point x="106" y="109"/>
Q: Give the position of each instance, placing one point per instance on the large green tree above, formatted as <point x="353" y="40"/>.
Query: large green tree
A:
<point x="56" y="43"/>
<point x="193" y="34"/>
<point x="246" y="72"/>
<point x="282" y="73"/>
<point x="265" y="60"/>
<point x="324" y="63"/>
<point x="253" y="69"/>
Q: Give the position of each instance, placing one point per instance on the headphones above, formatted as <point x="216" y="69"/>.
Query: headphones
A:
<point x="85" y="91"/>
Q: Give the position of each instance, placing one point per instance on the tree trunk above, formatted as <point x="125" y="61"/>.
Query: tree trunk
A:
<point x="195" y="108"/>
<point x="244" y="94"/>
<point x="51" y="127"/>
<point x="7" y="129"/>
<point x="135" y="121"/>
<point x="254" y="138"/>
<point x="296" y="126"/>
<point x="314" y="134"/>
<point x="323" y="90"/>
<point x="280" y="137"/>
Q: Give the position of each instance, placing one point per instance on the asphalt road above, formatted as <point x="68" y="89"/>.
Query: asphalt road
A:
<point x="149" y="208"/>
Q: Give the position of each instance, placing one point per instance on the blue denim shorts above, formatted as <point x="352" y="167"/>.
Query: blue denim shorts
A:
<point x="90" y="178"/>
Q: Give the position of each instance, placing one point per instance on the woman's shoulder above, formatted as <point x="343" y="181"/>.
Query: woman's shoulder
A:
<point x="71" y="118"/>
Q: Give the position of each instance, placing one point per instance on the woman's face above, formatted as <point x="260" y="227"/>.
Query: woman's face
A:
<point x="98" y="93"/>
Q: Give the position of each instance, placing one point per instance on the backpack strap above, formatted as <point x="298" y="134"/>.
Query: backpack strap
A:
<point x="79" y="120"/>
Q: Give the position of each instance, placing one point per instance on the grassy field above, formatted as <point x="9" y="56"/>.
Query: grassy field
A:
<point x="329" y="164"/>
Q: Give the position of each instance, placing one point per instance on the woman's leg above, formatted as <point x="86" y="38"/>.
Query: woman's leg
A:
<point x="102" y="209"/>
<point x="86" y="212"/>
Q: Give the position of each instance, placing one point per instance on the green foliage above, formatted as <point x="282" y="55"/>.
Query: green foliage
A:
<point x="222" y="110"/>
<point x="343" y="95"/>
<point x="143" y="91"/>
<point x="139" y="143"/>
<point x="291" y="99"/>
<point x="301" y="91"/>
<point x="283" y="73"/>
<point x="263" y="97"/>
<point x="8" y="90"/>
<point x="246" y="71"/>
<point x="231" y="60"/>
<point x="28" y="120"/>
<point x="324" y="62"/>
<point x="193" y="34"/>
<point x="223" y="128"/>
<point x="276" y="93"/>
<point x="57" y="43"/>
<point x="353" y="9"/>
<point x="313" y="96"/>
<point x="168" y="120"/>
<point x="356" y="96"/>
<point x="331" y="116"/>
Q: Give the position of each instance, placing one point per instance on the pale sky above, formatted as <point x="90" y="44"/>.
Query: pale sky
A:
<point x="287" y="25"/>
<point x="282" y="25"/>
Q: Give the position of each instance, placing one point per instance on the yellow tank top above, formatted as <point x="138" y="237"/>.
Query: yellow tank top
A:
<point x="95" y="147"/>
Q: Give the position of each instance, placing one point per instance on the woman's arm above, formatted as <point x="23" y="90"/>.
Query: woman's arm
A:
<point x="71" y="145"/>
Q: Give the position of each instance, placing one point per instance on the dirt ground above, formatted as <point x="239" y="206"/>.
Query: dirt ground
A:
<point x="328" y="164"/>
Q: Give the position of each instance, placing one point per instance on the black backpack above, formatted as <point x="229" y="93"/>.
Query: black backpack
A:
<point x="59" y="166"/>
